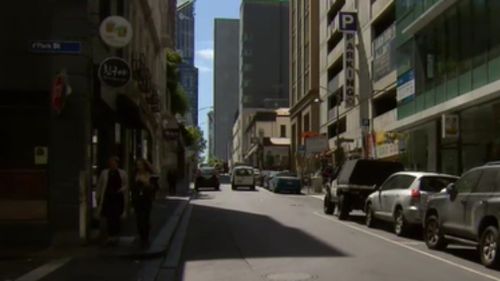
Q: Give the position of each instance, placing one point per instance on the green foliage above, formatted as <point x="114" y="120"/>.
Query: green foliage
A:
<point x="179" y="99"/>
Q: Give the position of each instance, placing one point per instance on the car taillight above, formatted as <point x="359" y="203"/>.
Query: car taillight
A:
<point x="415" y="194"/>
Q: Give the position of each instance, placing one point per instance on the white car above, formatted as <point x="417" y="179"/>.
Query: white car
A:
<point x="243" y="176"/>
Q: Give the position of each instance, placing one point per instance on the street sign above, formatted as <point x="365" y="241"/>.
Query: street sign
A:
<point x="348" y="22"/>
<point x="56" y="47"/>
<point x="406" y="86"/>
<point x="114" y="72"/>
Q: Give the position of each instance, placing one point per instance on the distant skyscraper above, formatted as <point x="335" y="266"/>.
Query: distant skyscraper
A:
<point x="264" y="55"/>
<point x="211" y="139"/>
<point x="264" y="60"/>
<point x="185" y="46"/>
<point x="226" y="83"/>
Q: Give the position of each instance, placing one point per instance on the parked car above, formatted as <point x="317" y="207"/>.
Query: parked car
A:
<point x="285" y="182"/>
<point x="258" y="177"/>
<point x="356" y="180"/>
<point x="267" y="178"/>
<point x="207" y="177"/>
<point x="470" y="210"/>
<point x="243" y="176"/>
<point x="402" y="197"/>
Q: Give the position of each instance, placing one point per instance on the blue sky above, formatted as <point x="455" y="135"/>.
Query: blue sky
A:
<point x="206" y="11"/>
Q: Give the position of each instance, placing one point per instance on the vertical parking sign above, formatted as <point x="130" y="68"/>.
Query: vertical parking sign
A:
<point x="348" y="22"/>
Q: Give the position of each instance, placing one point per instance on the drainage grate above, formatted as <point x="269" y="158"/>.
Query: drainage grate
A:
<point x="290" y="276"/>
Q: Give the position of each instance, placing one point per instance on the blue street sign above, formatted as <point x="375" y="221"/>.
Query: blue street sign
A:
<point x="348" y="22"/>
<point x="56" y="47"/>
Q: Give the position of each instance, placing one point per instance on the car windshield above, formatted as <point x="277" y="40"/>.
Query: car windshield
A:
<point x="244" y="172"/>
<point x="207" y="171"/>
<point x="434" y="183"/>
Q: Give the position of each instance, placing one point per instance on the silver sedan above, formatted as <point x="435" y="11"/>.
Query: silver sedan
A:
<point x="401" y="199"/>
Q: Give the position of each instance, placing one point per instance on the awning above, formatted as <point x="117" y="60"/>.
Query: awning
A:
<point x="129" y="113"/>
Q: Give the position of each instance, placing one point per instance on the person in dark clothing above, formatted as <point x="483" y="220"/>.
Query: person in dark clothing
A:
<point x="143" y="193"/>
<point x="112" y="197"/>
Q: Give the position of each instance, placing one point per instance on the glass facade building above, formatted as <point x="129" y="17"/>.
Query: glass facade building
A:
<point x="453" y="47"/>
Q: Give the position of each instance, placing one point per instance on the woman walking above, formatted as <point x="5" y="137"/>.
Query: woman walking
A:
<point x="143" y="192"/>
<point x="112" y="192"/>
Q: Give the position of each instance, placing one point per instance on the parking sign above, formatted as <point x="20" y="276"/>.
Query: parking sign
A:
<point x="348" y="21"/>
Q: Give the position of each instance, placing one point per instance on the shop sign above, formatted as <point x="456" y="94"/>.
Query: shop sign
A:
<point x="349" y="71"/>
<point x="171" y="134"/>
<point x="450" y="126"/>
<point x="116" y="31"/>
<point x="316" y="144"/>
<point x="348" y="22"/>
<point x="56" y="47"/>
<point x="114" y="72"/>
<point x="384" y="53"/>
<point x="406" y="86"/>
<point x="387" y="150"/>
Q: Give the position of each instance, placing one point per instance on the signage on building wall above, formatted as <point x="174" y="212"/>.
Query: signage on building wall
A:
<point x="316" y="144"/>
<point x="384" y="53"/>
<point x="56" y="47"/>
<point x="60" y="90"/>
<point x="116" y="31"/>
<point x="450" y="126"/>
<point x="348" y="22"/>
<point x="406" y="86"/>
<point x="349" y="70"/>
<point x="114" y="72"/>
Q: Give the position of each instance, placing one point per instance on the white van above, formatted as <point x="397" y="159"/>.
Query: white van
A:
<point x="243" y="176"/>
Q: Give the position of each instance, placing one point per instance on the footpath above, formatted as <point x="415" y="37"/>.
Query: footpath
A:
<point x="126" y="261"/>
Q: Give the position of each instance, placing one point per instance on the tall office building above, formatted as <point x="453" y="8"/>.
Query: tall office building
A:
<point x="264" y="59"/>
<point x="226" y="84"/>
<point x="211" y="139"/>
<point x="304" y="73"/>
<point x="185" y="46"/>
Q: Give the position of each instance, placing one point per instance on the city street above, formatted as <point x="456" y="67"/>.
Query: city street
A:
<point x="257" y="235"/>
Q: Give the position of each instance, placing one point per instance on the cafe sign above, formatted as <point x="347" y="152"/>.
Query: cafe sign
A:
<point x="114" y="72"/>
<point x="116" y="31"/>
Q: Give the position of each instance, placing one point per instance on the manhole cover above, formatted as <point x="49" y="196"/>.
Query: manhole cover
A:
<point x="290" y="276"/>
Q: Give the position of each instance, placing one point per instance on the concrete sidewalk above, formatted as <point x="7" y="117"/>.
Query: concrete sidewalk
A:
<point x="126" y="261"/>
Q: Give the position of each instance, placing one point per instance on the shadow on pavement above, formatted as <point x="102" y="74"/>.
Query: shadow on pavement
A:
<point x="220" y="234"/>
<point x="246" y="190"/>
<point x="202" y="196"/>
<point x="216" y="233"/>
<point x="464" y="252"/>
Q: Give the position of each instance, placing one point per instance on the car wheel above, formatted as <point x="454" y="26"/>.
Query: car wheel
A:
<point x="370" y="219"/>
<point x="252" y="187"/>
<point x="433" y="235"/>
<point x="400" y="224"/>
<point x="328" y="206"/>
<point x="488" y="247"/>
<point x="343" y="207"/>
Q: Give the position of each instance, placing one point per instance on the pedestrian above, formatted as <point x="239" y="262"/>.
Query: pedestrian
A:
<point x="143" y="193"/>
<point x="112" y="190"/>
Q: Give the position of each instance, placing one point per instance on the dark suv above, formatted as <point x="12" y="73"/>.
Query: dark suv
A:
<point x="468" y="210"/>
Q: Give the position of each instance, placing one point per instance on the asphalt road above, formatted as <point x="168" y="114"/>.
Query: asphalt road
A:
<point x="258" y="235"/>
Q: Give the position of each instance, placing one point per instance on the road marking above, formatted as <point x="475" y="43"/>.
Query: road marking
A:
<point x="404" y="245"/>
<point x="44" y="270"/>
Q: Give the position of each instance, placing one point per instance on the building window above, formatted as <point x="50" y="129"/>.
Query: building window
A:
<point x="283" y="131"/>
<point x="306" y="122"/>
<point x="332" y="129"/>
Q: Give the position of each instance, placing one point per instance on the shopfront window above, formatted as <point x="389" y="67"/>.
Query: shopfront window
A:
<point x="480" y="135"/>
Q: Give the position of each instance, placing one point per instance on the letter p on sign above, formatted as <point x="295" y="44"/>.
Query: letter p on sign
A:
<point x="348" y="22"/>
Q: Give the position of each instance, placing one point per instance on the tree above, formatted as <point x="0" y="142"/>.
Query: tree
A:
<point x="178" y="97"/>
<point x="193" y="137"/>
